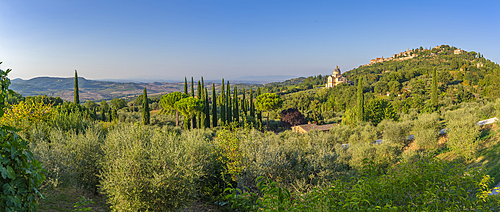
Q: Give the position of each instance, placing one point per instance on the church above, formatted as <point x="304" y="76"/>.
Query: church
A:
<point x="336" y="78"/>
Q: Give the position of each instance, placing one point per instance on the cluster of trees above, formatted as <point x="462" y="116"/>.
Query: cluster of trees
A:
<point x="224" y="109"/>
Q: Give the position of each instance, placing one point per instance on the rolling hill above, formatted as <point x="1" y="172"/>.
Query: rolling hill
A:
<point x="89" y="89"/>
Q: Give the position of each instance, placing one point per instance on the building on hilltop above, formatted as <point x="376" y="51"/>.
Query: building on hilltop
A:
<point x="458" y="51"/>
<point x="336" y="78"/>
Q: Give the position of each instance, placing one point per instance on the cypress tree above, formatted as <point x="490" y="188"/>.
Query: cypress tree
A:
<point x="192" y="87"/>
<point x="361" y="101"/>
<point x="207" y="110"/>
<point x="193" y="125"/>
<point x="202" y="86"/>
<point x="252" y="107"/>
<point x="145" y="107"/>
<point x="229" y="116"/>
<point x="236" y="112"/>
<point x="434" y="93"/>
<point x="110" y="115"/>
<point x="259" y="113"/>
<point x="103" y="114"/>
<point x="199" y="96"/>
<point x="223" y="102"/>
<point x="76" y="93"/>
<point x="214" y="107"/>
<point x="243" y="103"/>
<point x="115" y="114"/>
<point x="186" y="86"/>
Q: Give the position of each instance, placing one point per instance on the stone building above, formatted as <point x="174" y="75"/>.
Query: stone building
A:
<point x="458" y="51"/>
<point x="336" y="78"/>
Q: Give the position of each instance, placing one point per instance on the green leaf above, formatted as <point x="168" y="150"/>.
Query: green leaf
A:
<point x="3" y="170"/>
<point x="10" y="173"/>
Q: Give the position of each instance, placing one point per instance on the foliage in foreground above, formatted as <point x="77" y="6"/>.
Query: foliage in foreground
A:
<point x="22" y="174"/>
<point x="424" y="185"/>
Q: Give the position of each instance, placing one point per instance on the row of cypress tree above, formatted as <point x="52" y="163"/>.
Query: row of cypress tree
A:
<point x="224" y="107"/>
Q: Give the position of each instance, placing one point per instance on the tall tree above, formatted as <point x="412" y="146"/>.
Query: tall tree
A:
<point x="267" y="102"/>
<point x="207" y="110"/>
<point x="145" y="107"/>
<point x="192" y="87"/>
<point x="236" y="113"/>
<point x="214" y="107"/>
<point x="244" y="103"/>
<point x="229" y="114"/>
<point x="361" y="101"/>
<point x="115" y="114"/>
<point x="199" y="116"/>
<point x="192" y="94"/>
<point x="259" y="113"/>
<point x="168" y="101"/>
<point x="110" y="114"/>
<point x="188" y="107"/>
<point x="77" y="92"/>
<point x="222" y="105"/>
<point x="252" y="106"/>
<point x="434" y="92"/>
<point x="103" y="114"/>
<point x="186" y="86"/>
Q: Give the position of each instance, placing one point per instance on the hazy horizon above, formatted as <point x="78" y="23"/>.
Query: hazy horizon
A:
<point x="229" y="39"/>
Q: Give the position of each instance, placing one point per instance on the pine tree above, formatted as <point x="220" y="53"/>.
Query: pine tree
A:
<point x="76" y="93"/>
<point x="236" y="113"/>
<point x="214" y="107"/>
<point x="222" y="106"/>
<point x="145" y="108"/>
<point x="434" y="92"/>
<point x="361" y="101"/>
<point x="186" y="86"/>
<point x="252" y="106"/>
<point x="229" y="114"/>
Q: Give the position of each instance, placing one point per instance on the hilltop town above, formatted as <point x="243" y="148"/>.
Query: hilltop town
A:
<point x="409" y="54"/>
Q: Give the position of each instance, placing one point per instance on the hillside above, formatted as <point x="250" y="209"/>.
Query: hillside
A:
<point x="89" y="89"/>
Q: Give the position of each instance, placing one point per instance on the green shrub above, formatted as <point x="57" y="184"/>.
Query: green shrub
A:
<point x="463" y="133"/>
<point x="421" y="185"/>
<point x="426" y="131"/>
<point x="397" y="132"/>
<point x="71" y="159"/>
<point x="151" y="170"/>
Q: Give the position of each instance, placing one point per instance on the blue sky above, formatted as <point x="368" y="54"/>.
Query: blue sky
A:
<point x="230" y="38"/>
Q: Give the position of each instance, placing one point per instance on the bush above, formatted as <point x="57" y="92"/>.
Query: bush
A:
<point x="423" y="185"/>
<point x="296" y="161"/>
<point x="463" y="133"/>
<point x="426" y="130"/>
<point x="397" y="132"/>
<point x="71" y="159"/>
<point x="292" y="117"/>
<point x="148" y="170"/>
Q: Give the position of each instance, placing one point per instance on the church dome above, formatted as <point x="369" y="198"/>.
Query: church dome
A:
<point x="336" y="71"/>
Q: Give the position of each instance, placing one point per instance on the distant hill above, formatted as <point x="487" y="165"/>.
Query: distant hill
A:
<point x="89" y="89"/>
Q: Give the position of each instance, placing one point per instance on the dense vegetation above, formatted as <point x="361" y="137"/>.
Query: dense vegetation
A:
<point x="137" y="156"/>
